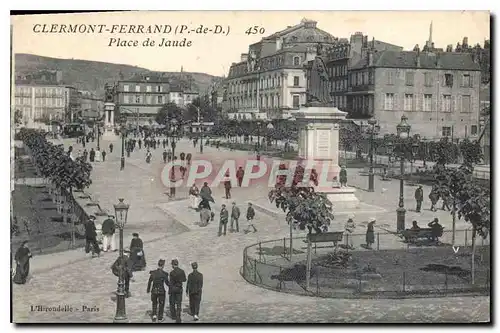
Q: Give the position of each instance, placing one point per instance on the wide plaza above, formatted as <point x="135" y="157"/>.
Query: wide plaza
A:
<point x="169" y="229"/>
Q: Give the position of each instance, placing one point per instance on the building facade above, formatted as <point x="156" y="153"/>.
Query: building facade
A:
<point x="269" y="81"/>
<point x="91" y="105"/>
<point x="39" y="103"/>
<point x="438" y="92"/>
<point x="338" y="59"/>
<point x="140" y="97"/>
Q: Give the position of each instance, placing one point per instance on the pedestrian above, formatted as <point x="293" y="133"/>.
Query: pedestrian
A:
<point x="85" y="155"/>
<point x="206" y="193"/>
<point x="240" y="173"/>
<point x="445" y="196"/>
<point x="235" y="215"/>
<point x="370" y="233"/>
<point x="434" y="197"/>
<point x="91" y="237"/>
<point x="227" y="186"/>
<point x="110" y="148"/>
<point x="92" y="155"/>
<point x="103" y="155"/>
<point x="137" y="255"/>
<point x="349" y="230"/>
<point x="22" y="257"/>
<point x="148" y="157"/>
<point x="177" y="278"/>
<point x="158" y="279"/>
<point x="436" y="229"/>
<point x="189" y="157"/>
<point x="224" y="215"/>
<point x="164" y="156"/>
<point x="193" y="196"/>
<point x="419" y="197"/>
<point x="97" y="157"/>
<point x="108" y="233"/>
<point x="343" y="176"/>
<point x="140" y="143"/>
<point x="194" y="287"/>
<point x="250" y="218"/>
<point x="122" y="264"/>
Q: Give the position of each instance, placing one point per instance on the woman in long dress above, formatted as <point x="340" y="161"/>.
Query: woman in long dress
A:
<point x="370" y="233"/>
<point x="22" y="257"/>
<point x="137" y="256"/>
<point x="193" y="196"/>
<point x="349" y="230"/>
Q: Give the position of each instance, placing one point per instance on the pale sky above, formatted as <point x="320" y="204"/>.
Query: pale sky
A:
<point x="213" y="54"/>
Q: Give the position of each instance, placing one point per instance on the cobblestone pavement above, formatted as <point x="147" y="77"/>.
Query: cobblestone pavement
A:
<point x="89" y="285"/>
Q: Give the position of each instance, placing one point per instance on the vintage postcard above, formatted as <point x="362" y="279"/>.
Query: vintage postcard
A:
<point x="251" y="167"/>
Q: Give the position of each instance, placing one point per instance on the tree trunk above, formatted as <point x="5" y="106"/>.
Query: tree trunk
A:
<point x="453" y="230"/>
<point x="473" y="266"/>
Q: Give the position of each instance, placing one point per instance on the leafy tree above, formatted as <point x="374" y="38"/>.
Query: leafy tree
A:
<point x="472" y="153"/>
<point x="350" y="138"/>
<point x="167" y="112"/>
<point x="18" y="117"/>
<point x="302" y="204"/>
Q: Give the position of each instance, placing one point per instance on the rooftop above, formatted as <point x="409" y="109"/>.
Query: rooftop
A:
<point x="408" y="59"/>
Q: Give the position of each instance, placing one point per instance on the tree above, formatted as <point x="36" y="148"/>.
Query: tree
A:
<point x="18" y="117"/>
<point x="470" y="200"/>
<point x="303" y="205"/>
<point x="167" y="112"/>
<point x="471" y="152"/>
<point x="207" y="112"/>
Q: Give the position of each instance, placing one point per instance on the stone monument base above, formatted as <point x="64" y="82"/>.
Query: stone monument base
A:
<point x="342" y="198"/>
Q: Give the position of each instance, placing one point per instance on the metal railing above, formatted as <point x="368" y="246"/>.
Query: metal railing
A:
<point x="385" y="270"/>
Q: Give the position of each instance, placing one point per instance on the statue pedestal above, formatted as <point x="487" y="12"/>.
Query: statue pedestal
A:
<point x="319" y="143"/>
<point x="109" y="122"/>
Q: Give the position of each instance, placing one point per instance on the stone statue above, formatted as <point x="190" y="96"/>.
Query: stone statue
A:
<point x="319" y="83"/>
<point x="252" y="61"/>
<point x="319" y="49"/>
<point x="109" y="95"/>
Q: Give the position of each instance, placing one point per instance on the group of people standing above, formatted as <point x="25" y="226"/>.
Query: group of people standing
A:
<point x="158" y="283"/>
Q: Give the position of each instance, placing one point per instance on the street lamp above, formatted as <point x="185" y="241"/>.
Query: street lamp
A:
<point x="403" y="131"/>
<point x="173" y="134"/>
<point x="121" y="213"/>
<point x="258" y="135"/>
<point x="124" y="133"/>
<point x="372" y="131"/>
<point x="269" y="127"/>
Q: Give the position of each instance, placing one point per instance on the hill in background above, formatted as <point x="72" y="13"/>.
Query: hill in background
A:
<point x="93" y="75"/>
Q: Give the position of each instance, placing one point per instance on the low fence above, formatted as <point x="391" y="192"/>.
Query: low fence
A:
<point x="384" y="270"/>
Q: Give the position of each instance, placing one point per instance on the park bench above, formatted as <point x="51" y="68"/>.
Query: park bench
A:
<point x="412" y="236"/>
<point x="338" y="235"/>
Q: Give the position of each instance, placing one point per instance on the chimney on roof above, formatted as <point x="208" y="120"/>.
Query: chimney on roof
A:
<point x="449" y="48"/>
<point x="244" y="57"/>
<point x="370" y="58"/>
<point x="465" y="43"/>
<point x="418" y="56"/>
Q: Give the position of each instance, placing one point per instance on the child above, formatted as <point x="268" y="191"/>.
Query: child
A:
<point x="250" y="217"/>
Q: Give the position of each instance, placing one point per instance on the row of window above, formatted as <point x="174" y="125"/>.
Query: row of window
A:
<point x="39" y="91"/>
<point x="339" y="70"/>
<point x="140" y="99"/>
<point x="447" y="80"/>
<point x="274" y="101"/>
<point x="409" y="103"/>
<point x="51" y="102"/>
<point x="448" y="130"/>
<point x="265" y="83"/>
<point x="157" y="88"/>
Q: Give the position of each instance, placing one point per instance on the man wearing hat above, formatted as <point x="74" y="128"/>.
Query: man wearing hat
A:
<point x="91" y="237"/>
<point x="177" y="277"/>
<point x="194" y="287"/>
<point x="343" y="176"/>
<point x="419" y="197"/>
<point x="158" y="279"/>
<point x="108" y="233"/>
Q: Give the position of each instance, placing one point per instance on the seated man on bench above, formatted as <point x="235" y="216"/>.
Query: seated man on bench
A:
<point x="415" y="226"/>
<point x="436" y="229"/>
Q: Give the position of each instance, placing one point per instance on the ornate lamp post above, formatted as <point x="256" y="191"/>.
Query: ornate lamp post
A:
<point x="403" y="131"/>
<point x="258" y="135"/>
<point x="124" y="133"/>
<point x="173" y="144"/>
<point x="121" y="213"/>
<point x="372" y="131"/>
<point x="269" y="127"/>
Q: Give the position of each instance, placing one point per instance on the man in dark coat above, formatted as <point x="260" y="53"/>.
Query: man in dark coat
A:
<point x="158" y="279"/>
<point x="239" y="175"/>
<point x="235" y="216"/>
<point x="419" y="197"/>
<point x="92" y="155"/>
<point x="108" y="233"/>
<point x="110" y="148"/>
<point x="177" y="278"/>
<point x="194" y="288"/>
<point x="123" y="263"/>
<point x="343" y="176"/>
<point x="103" y="156"/>
<point x="224" y="215"/>
<point x="91" y="237"/>
<point x="227" y="186"/>
<point x="206" y="193"/>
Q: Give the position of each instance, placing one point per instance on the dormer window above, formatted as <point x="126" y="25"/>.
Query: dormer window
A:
<point x="296" y="61"/>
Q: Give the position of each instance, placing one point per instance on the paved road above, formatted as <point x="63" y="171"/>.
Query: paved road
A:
<point x="89" y="284"/>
